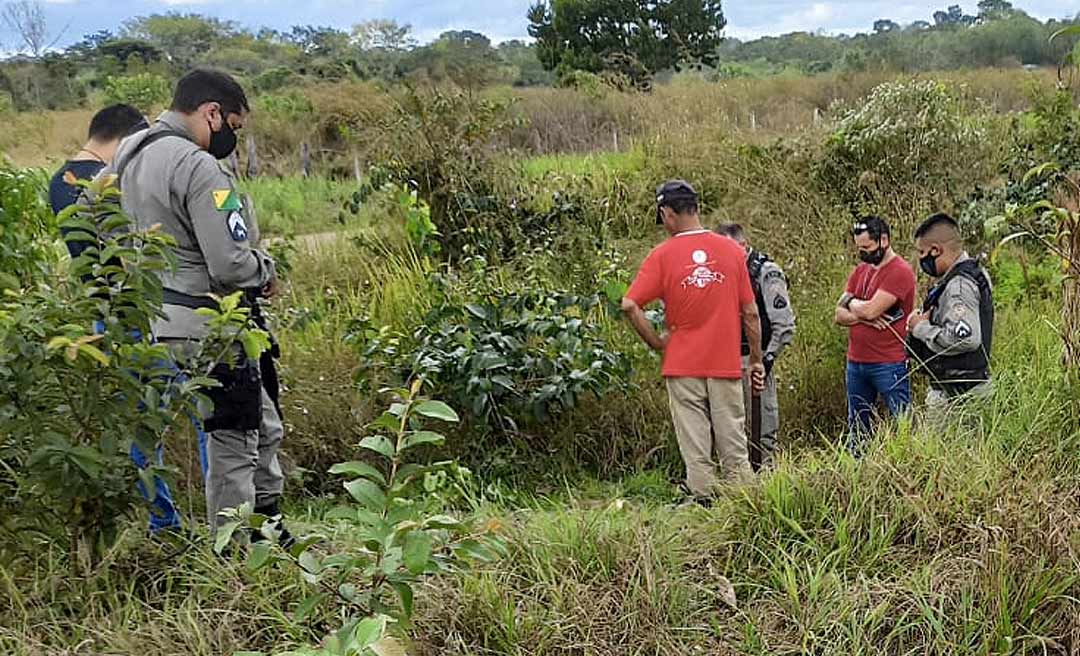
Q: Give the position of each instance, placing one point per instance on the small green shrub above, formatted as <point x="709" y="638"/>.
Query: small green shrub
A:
<point x="513" y="359"/>
<point x="146" y="91"/>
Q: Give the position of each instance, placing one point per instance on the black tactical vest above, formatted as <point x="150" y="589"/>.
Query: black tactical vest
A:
<point x="755" y="262"/>
<point x="961" y="372"/>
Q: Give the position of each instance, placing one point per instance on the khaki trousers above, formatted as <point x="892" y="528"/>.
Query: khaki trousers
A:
<point x="710" y="418"/>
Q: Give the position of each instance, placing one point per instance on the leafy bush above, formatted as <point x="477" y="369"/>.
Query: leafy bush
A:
<point x="146" y="91"/>
<point x="510" y="358"/>
<point x="397" y="541"/>
<point x="75" y="398"/>
<point x="921" y="137"/>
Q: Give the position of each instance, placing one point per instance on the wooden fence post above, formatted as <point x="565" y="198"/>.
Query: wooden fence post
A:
<point x="234" y="164"/>
<point x="356" y="169"/>
<point x="252" y="158"/>
<point x="305" y="159"/>
<point x="753" y="122"/>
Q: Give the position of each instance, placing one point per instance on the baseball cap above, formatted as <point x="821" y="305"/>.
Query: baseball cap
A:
<point x="673" y="190"/>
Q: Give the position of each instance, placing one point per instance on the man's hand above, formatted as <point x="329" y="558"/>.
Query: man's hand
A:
<point x="757" y="378"/>
<point x="916" y="318"/>
<point x="272" y="288"/>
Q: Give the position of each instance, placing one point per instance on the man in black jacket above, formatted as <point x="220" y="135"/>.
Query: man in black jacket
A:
<point x="951" y="338"/>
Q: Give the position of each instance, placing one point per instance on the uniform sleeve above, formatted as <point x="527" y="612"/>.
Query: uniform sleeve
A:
<point x="217" y="217"/>
<point x="774" y="289"/>
<point x="959" y="328"/>
<point x="648" y="286"/>
<point x="851" y="282"/>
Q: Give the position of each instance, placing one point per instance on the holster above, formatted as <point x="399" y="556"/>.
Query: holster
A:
<point x="238" y="401"/>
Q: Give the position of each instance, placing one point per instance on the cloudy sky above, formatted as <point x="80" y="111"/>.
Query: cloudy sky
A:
<point x="500" y="19"/>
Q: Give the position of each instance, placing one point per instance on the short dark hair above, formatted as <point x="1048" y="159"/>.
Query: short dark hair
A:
<point x="202" y="86"/>
<point x="681" y="205"/>
<point x="874" y="226"/>
<point x="116" y="122"/>
<point x="935" y="220"/>
<point x="733" y="230"/>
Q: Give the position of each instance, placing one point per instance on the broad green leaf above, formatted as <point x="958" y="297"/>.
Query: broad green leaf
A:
<point x="419" y="438"/>
<point x="405" y="593"/>
<point x="230" y="302"/>
<point x="224" y="535"/>
<point x="1040" y="171"/>
<point x="369" y="631"/>
<point x="417" y="552"/>
<point x="259" y="556"/>
<point x="379" y="444"/>
<point x="255" y="343"/>
<point x="308" y="605"/>
<point x="367" y="494"/>
<point x="437" y="410"/>
<point x="357" y="468"/>
<point x="442" y="522"/>
<point x="387" y="421"/>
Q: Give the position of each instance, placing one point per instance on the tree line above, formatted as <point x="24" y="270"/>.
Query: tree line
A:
<point x="629" y="42"/>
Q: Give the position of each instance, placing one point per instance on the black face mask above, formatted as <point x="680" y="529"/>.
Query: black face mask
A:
<point x="873" y="258"/>
<point x="222" y="142"/>
<point x="929" y="265"/>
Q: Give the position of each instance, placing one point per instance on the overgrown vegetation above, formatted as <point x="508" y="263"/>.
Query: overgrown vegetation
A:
<point x="435" y="246"/>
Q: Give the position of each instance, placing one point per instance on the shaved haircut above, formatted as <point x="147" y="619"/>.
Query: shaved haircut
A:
<point x="940" y="229"/>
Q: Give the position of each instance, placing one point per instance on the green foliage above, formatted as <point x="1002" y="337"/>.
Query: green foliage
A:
<point x="921" y="136"/>
<point x="396" y="542"/>
<point x="26" y="223"/>
<point x="513" y="359"/>
<point x="78" y="397"/>
<point x="146" y="91"/>
<point x="607" y="35"/>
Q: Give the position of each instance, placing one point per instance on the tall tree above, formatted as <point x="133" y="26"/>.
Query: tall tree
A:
<point x="883" y="25"/>
<point x="185" y="38"/>
<point x="382" y="34"/>
<point x="598" y="35"/>
<point x="26" y="20"/>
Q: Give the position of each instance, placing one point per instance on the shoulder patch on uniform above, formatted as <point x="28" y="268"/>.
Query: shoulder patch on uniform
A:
<point x="780" y="303"/>
<point x="962" y="330"/>
<point x="226" y="200"/>
<point x="774" y="274"/>
<point x="238" y="229"/>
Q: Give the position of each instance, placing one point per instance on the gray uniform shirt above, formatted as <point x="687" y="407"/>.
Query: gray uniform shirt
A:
<point x="777" y="301"/>
<point x="174" y="183"/>
<point x="954" y="326"/>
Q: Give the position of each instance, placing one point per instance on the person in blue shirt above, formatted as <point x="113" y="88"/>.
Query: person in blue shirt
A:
<point x="108" y="128"/>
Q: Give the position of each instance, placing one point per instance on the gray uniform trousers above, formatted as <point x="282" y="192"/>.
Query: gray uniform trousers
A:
<point x="243" y="467"/>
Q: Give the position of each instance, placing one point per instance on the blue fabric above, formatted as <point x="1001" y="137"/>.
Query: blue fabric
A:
<point x="63" y="195"/>
<point x="866" y="385"/>
<point x="163" y="514"/>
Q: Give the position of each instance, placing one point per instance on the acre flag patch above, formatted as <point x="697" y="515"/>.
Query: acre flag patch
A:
<point x="226" y="200"/>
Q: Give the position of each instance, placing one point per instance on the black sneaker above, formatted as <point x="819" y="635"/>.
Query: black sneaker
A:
<point x="274" y="529"/>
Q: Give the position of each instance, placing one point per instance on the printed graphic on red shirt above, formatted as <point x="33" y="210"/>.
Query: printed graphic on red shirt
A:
<point x="702" y="280"/>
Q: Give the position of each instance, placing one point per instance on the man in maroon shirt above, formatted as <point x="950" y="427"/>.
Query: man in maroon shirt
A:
<point x="880" y="296"/>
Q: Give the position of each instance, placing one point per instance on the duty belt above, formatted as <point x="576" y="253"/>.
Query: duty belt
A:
<point x="173" y="297"/>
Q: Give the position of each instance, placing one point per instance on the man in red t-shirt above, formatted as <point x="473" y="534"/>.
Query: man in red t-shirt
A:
<point x="702" y="279"/>
<point x="880" y="296"/>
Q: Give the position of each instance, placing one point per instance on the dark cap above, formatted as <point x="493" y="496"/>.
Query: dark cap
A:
<point x="673" y="190"/>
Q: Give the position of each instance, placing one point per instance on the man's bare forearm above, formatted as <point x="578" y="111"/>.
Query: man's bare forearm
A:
<point x="845" y="317"/>
<point x="642" y="326"/>
<point x="751" y="323"/>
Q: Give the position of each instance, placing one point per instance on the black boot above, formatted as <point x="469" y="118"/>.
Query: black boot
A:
<point x="273" y="528"/>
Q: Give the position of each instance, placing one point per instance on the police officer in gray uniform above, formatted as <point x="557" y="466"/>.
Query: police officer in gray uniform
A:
<point x="777" y="331"/>
<point x="951" y="338"/>
<point x="170" y="175"/>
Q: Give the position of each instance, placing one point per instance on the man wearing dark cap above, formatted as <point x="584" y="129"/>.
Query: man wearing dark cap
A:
<point x="702" y="280"/>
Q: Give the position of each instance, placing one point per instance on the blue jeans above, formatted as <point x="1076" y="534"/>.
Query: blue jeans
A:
<point x="866" y="384"/>
<point x="163" y="512"/>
